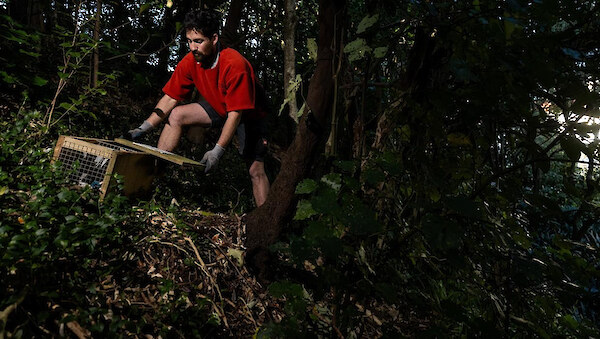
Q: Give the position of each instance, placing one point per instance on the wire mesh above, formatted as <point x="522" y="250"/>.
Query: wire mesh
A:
<point x="85" y="165"/>
<point x="116" y="146"/>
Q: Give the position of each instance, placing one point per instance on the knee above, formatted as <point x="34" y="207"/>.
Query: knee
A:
<point x="175" y="118"/>
<point x="257" y="171"/>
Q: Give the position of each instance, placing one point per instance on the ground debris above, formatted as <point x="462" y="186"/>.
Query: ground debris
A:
<point x="202" y="256"/>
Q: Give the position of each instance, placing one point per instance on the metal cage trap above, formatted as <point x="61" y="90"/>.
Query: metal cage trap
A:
<point x="93" y="162"/>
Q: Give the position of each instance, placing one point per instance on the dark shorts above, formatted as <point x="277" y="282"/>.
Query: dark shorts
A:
<point x="252" y="134"/>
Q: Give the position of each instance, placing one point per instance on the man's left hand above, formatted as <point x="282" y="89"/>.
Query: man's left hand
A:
<point x="211" y="158"/>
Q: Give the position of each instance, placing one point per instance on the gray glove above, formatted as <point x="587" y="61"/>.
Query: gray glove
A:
<point x="211" y="158"/>
<point x="136" y="133"/>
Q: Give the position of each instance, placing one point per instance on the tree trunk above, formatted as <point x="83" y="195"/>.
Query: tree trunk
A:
<point x="27" y="12"/>
<point x="229" y="35"/>
<point x="265" y="224"/>
<point x="289" y="57"/>
<point x="36" y="15"/>
<point x="96" y="54"/>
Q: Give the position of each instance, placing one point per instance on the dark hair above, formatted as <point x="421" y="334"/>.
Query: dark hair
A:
<point x="206" y="22"/>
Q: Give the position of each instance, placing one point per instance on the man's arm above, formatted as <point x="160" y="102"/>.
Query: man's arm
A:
<point x="159" y="113"/>
<point x="231" y="124"/>
<point x="162" y="110"/>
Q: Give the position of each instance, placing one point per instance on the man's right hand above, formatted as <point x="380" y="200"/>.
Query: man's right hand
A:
<point x="137" y="133"/>
<point x="134" y="134"/>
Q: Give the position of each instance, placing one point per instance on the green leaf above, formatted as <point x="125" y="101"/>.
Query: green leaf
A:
<point x="570" y="321"/>
<point x="306" y="186"/>
<point x="145" y="7"/>
<point x="311" y="45"/>
<point x="236" y="254"/>
<point x="366" y="23"/>
<point x="70" y="219"/>
<point x="333" y="180"/>
<point x="305" y="210"/>
<point x="21" y="39"/>
<point x="357" y="49"/>
<point x="572" y="147"/>
<point x="65" y="105"/>
<point x="63" y="196"/>
<point x="7" y="78"/>
<point x="380" y="52"/>
<point x="37" y="81"/>
<point x="32" y="54"/>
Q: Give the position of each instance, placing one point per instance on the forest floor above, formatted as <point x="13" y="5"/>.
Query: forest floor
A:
<point x="210" y="267"/>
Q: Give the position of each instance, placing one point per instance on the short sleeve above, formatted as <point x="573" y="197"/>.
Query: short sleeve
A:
<point x="181" y="84"/>
<point x="240" y="92"/>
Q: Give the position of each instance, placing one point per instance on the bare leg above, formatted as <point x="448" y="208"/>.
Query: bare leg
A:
<point x="260" y="182"/>
<point x="181" y="116"/>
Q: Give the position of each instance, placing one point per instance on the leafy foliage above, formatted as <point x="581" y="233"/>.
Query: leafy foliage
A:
<point x="463" y="200"/>
<point x="48" y="227"/>
<point x="468" y="211"/>
<point x="61" y="250"/>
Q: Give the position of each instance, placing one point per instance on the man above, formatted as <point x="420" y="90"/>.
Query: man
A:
<point x="232" y="100"/>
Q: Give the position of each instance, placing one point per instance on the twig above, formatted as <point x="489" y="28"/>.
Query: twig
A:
<point x="136" y="52"/>
<point x="210" y="277"/>
<point x="79" y="331"/>
<point x="7" y="311"/>
<point x="169" y="244"/>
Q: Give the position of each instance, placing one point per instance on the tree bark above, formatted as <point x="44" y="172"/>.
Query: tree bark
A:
<point x="266" y="223"/>
<point x="96" y="54"/>
<point x="230" y="35"/>
<point x="289" y="57"/>
<point x="28" y="13"/>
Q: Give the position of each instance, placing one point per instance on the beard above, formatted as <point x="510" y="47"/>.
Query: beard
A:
<point x="204" y="59"/>
<point x="198" y="56"/>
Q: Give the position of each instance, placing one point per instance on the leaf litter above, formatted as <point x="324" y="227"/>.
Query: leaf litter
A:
<point x="197" y="260"/>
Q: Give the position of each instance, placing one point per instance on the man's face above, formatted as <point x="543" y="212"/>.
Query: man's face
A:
<point x="203" y="47"/>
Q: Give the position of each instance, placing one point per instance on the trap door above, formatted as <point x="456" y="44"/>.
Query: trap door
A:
<point x="165" y="155"/>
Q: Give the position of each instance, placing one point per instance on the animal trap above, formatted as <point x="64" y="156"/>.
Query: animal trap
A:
<point x="93" y="162"/>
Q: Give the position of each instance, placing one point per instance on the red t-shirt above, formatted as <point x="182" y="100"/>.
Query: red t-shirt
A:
<point x="229" y="86"/>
